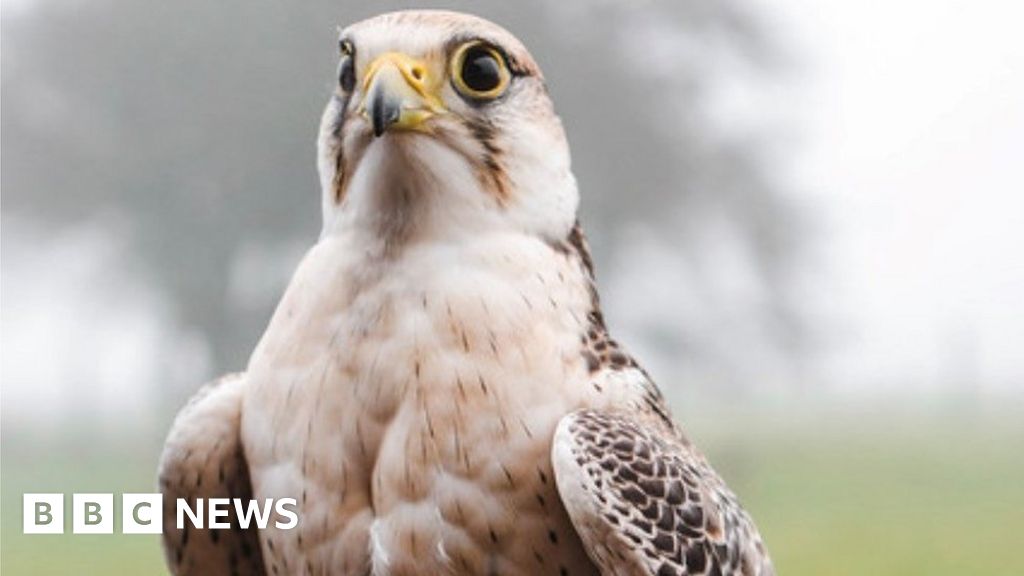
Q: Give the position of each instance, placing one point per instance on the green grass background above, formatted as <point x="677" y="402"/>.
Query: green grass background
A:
<point x="872" y="490"/>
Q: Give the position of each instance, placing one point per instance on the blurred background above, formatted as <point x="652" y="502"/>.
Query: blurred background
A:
<point x="807" y="220"/>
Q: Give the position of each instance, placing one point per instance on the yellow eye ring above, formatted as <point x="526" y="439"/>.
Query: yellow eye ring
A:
<point x="479" y="71"/>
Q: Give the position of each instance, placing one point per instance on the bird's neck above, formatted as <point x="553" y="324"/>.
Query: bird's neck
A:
<point x="404" y="190"/>
<point x="418" y="189"/>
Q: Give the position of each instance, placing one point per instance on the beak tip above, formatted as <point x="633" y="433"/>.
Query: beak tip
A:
<point x="384" y="112"/>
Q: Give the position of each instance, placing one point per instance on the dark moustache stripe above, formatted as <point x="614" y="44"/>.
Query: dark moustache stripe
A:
<point x="337" y="128"/>
<point x="493" y="172"/>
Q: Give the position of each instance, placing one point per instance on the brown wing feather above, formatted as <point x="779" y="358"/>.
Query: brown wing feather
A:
<point x="203" y="458"/>
<point x="646" y="502"/>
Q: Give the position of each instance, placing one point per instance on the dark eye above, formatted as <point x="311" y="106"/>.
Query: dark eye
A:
<point x="479" y="71"/>
<point x="347" y="68"/>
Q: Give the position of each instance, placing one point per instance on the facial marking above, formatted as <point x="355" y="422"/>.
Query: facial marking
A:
<point x="337" y="131"/>
<point x="490" y="170"/>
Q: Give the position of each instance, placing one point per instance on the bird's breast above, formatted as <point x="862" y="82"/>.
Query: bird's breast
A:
<point x="408" y="406"/>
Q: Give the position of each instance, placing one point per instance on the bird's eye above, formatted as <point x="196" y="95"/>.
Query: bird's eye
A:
<point x="347" y="68"/>
<point x="479" y="71"/>
<point x="345" y="47"/>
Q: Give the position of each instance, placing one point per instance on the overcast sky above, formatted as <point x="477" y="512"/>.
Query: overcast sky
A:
<point x="910" y="119"/>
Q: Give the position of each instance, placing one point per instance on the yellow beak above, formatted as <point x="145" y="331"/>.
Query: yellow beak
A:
<point x="399" y="94"/>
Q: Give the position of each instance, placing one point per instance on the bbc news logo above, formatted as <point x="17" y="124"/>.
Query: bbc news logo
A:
<point x="143" y="513"/>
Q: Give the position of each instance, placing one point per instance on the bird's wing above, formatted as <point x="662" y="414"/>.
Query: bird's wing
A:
<point x="203" y="458"/>
<point x="644" y="501"/>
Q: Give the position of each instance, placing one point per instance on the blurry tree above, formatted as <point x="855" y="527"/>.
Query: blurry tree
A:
<point x="197" y="120"/>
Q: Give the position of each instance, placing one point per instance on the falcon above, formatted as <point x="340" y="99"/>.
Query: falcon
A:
<point x="437" y="388"/>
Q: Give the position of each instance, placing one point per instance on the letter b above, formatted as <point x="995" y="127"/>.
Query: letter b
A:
<point x="92" y="514"/>
<point x="43" y="514"/>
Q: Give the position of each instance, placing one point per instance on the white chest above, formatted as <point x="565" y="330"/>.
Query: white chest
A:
<point x="409" y="408"/>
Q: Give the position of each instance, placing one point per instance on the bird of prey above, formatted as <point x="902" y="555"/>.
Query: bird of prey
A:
<point x="437" y="388"/>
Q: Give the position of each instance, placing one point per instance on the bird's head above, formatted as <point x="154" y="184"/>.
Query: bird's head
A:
<point x="440" y="125"/>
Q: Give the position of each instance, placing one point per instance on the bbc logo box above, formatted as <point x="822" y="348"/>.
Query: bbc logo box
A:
<point x="43" y="514"/>
<point x="92" y="513"/>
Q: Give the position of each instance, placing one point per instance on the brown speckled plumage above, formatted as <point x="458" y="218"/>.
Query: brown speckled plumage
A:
<point x="203" y="458"/>
<point x="646" y="502"/>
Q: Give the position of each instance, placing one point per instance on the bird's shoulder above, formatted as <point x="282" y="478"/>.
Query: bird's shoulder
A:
<point x="203" y="458"/>
<point x="642" y="497"/>
<point x="644" y="500"/>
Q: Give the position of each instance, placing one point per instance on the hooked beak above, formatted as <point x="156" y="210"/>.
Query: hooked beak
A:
<point x="399" y="94"/>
